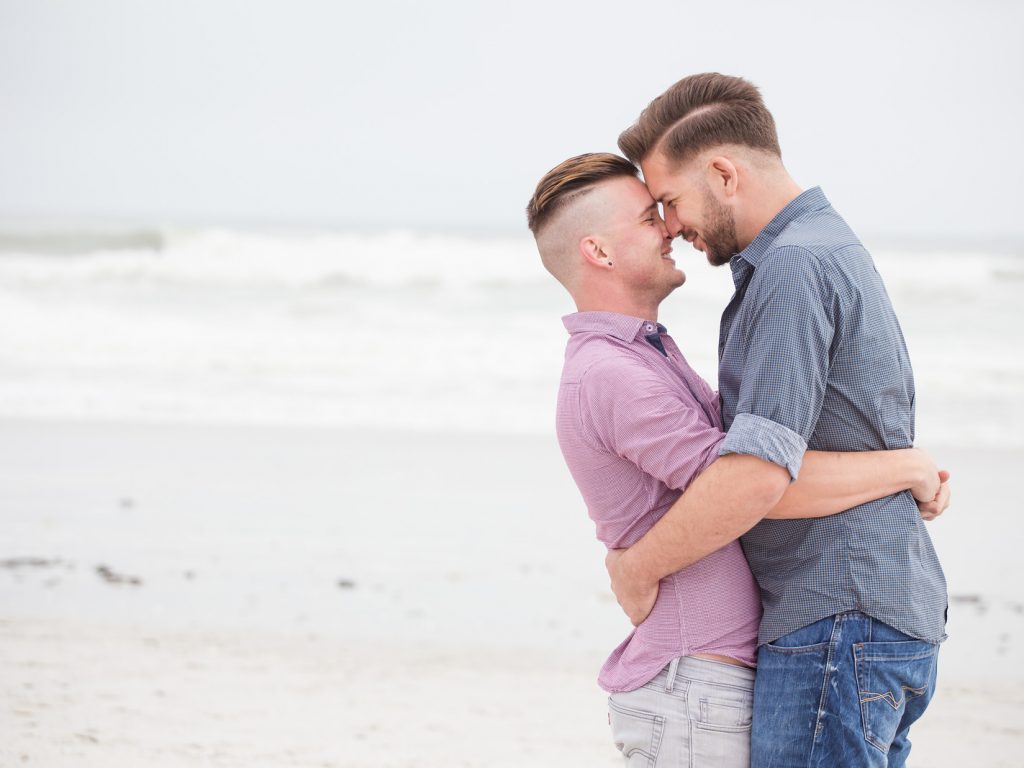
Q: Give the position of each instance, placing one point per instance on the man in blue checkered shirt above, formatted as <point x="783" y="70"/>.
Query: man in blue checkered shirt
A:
<point x="811" y="356"/>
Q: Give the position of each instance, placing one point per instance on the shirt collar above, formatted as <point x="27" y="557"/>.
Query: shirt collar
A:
<point x="811" y="200"/>
<point x="623" y="327"/>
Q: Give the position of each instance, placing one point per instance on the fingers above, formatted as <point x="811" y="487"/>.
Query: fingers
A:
<point x="634" y="611"/>
<point x="636" y="607"/>
<point x="637" y="615"/>
<point x="932" y="509"/>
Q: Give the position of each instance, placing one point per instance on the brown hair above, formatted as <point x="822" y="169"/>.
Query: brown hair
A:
<point x="698" y="112"/>
<point x="570" y="180"/>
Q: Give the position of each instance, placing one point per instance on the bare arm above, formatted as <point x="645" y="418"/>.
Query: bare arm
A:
<point x="831" y="482"/>
<point x="733" y="494"/>
<point x="725" y="501"/>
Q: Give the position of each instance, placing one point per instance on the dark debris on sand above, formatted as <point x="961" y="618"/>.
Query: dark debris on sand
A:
<point x="111" y="577"/>
<point x="29" y="562"/>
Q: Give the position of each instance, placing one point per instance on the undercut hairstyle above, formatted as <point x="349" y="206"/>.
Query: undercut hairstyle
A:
<point x="700" y="112"/>
<point x="571" y="180"/>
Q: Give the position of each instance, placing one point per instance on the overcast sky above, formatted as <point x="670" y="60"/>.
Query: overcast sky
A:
<point x="443" y="115"/>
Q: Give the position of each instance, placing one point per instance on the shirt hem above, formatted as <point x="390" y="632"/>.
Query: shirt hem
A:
<point x="642" y="678"/>
<point x="917" y="635"/>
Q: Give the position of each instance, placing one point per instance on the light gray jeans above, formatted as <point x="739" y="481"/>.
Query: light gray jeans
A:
<point x="696" y="714"/>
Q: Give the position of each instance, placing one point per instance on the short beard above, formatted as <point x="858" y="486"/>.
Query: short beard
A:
<point x="719" y="234"/>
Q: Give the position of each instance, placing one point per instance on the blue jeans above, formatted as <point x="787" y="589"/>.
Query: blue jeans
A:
<point x="843" y="691"/>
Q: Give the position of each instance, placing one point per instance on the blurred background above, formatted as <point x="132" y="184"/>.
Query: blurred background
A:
<point x="276" y="344"/>
<point x="209" y="210"/>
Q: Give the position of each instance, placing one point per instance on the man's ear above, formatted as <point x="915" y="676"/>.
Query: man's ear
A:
<point x="722" y="177"/>
<point x="592" y="253"/>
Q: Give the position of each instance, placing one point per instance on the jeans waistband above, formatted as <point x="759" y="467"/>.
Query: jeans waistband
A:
<point x="704" y="670"/>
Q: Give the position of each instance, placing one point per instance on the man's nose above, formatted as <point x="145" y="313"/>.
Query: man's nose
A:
<point x="672" y="223"/>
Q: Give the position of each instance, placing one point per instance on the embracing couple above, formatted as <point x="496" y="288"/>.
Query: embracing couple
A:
<point x="776" y="524"/>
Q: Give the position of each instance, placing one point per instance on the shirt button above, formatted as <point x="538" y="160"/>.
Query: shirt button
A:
<point x="650" y="328"/>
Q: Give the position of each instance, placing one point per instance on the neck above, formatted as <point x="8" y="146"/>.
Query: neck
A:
<point x="771" y="195"/>
<point x="620" y="303"/>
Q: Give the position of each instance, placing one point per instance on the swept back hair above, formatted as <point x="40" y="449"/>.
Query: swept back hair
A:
<point x="700" y="112"/>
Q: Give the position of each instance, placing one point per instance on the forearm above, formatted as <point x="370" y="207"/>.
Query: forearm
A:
<point x="726" y="500"/>
<point x="831" y="482"/>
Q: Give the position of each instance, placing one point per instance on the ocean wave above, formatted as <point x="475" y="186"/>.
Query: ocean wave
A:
<point x="232" y="258"/>
<point x="434" y="332"/>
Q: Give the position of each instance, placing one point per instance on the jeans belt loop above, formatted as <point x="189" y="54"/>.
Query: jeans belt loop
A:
<point x="673" y="667"/>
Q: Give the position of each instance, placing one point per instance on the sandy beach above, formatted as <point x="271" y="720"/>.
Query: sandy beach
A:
<point x="261" y="596"/>
<point x="279" y="357"/>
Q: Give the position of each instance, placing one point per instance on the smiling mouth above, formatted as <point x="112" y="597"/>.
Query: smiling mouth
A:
<point x="693" y="238"/>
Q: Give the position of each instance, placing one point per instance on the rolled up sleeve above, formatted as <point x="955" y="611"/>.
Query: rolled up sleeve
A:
<point x="787" y="341"/>
<point x="769" y="440"/>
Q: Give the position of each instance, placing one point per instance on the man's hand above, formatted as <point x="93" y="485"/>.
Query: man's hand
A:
<point x="927" y="486"/>
<point x="635" y="598"/>
<point x="932" y="509"/>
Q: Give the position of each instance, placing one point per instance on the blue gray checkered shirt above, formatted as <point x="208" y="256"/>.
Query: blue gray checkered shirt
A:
<point x="812" y="357"/>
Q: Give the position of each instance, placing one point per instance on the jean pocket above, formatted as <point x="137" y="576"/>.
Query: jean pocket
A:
<point x="779" y="647"/>
<point x="637" y="734"/>
<point x="895" y="682"/>
<point x="715" y="715"/>
<point x="720" y="730"/>
<point x="795" y="650"/>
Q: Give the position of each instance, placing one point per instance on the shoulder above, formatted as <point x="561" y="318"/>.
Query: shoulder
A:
<point x="597" y="363"/>
<point x="620" y="380"/>
<point x="794" y="282"/>
<point x="789" y="266"/>
<point x="820" y="242"/>
<point x="586" y="349"/>
<point x="821" y="232"/>
<point x="619" y="371"/>
<point x="791" y="258"/>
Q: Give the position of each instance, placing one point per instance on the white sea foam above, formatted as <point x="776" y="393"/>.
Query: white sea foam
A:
<point x="431" y="332"/>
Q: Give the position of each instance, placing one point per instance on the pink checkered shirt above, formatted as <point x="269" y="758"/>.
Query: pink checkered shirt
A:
<point x="636" y="424"/>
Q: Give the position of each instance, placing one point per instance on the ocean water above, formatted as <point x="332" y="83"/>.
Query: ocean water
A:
<point x="417" y="332"/>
